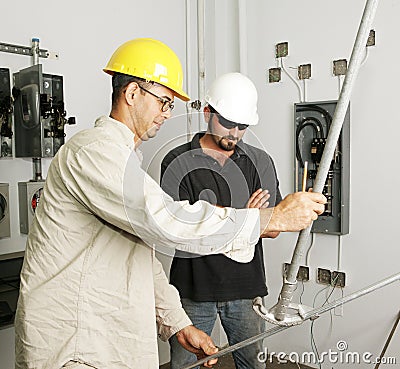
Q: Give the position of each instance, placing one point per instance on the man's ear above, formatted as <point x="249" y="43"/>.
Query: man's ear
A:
<point x="207" y="113"/>
<point x="131" y="91"/>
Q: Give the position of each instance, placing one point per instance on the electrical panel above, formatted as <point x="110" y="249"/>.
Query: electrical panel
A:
<point x="4" y="211"/>
<point x="5" y="114"/>
<point x="312" y="124"/>
<point x="29" y="196"/>
<point x="39" y="115"/>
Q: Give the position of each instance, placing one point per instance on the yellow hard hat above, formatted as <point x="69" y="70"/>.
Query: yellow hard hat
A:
<point x="151" y="60"/>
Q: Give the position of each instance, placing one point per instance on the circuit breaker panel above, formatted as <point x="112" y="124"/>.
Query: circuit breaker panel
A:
<point x="5" y="114"/>
<point x="39" y="113"/>
<point x="312" y="124"/>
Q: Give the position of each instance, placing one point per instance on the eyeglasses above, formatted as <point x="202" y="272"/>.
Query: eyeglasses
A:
<point x="228" y="124"/>
<point x="166" y="103"/>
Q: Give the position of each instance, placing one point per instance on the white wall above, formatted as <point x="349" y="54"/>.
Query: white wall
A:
<point x="85" y="34"/>
<point x="320" y="32"/>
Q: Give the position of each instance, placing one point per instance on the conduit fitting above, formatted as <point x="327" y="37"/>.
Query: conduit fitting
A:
<point x="288" y="319"/>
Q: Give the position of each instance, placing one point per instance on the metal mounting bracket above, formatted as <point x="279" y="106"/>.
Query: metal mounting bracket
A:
<point x="22" y="50"/>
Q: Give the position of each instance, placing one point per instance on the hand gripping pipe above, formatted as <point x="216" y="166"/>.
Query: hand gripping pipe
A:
<point x="310" y="315"/>
<point x="278" y="314"/>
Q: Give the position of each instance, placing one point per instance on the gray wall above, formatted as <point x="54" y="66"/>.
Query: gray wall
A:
<point x="85" y="34"/>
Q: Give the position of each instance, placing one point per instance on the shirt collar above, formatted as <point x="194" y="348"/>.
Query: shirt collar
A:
<point x="120" y="131"/>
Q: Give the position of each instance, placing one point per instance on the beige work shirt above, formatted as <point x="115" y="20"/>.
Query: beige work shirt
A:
<point x="92" y="289"/>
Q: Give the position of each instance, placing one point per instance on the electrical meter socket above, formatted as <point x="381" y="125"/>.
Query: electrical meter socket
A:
<point x="4" y="211"/>
<point x="29" y="196"/>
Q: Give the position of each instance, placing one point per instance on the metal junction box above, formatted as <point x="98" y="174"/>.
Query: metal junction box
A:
<point x="4" y="211"/>
<point x="29" y="196"/>
<point x="39" y="115"/>
<point x="5" y="114"/>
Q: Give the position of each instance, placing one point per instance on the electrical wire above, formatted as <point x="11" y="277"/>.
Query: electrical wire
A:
<point x="340" y="83"/>
<point x="302" y="292"/>
<point x="294" y="81"/>
<point x="339" y="256"/>
<point x="327" y="116"/>
<point x="305" y="122"/>
<point x="299" y="128"/>
<point x="313" y="236"/>
<point x="304" y="90"/>
<point x="365" y="57"/>
<point x="314" y="345"/>
<point x="313" y="342"/>
<point x="317" y="122"/>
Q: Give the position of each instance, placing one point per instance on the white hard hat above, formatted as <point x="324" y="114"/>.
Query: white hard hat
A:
<point x="234" y="96"/>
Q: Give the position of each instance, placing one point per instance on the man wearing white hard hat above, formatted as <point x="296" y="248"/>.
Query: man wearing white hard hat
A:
<point x="217" y="166"/>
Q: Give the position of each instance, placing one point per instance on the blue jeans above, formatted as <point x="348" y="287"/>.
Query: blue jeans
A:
<point x="239" y="322"/>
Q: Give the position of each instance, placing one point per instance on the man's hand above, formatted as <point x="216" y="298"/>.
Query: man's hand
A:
<point x="294" y="213"/>
<point x="259" y="199"/>
<point x="198" y="342"/>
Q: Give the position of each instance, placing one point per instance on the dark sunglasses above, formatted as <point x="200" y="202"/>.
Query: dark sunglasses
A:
<point x="228" y="124"/>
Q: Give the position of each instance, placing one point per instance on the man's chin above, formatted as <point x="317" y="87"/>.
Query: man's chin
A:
<point x="151" y="133"/>
<point x="227" y="145"/>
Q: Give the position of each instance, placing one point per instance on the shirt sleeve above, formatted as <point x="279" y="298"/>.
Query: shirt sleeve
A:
<point x="170" y="315"/>
<point x="108" y="180"/>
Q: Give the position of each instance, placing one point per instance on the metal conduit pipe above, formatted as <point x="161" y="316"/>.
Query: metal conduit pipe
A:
<point x="280" y="309"/>
<point x="312" y="314"/>
<point x="37" y="162"/>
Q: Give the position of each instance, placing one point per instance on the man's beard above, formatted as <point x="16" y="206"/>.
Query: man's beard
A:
<point x="227" y="143"/>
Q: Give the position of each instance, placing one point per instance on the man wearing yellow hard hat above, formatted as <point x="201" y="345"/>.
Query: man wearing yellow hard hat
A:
<point x="93" y="294"/>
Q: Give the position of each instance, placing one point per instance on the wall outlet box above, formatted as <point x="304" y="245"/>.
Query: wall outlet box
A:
<point x="323" y="276"/>
<point x="274" y="75"/>
<point x="338" y="279"/>
<point x="339" y="67"/>
<point x="303" y="273"/>
<point x="304" y="71"/>
<point x="282" y="49"/>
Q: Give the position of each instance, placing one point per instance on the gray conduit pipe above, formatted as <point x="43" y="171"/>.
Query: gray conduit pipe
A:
<point x="278" y="313"/>
<point x="312" y="314"/>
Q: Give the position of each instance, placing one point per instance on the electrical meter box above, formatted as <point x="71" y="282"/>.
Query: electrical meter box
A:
<point x="5" y="114"/>
<point x="39" y="115"/>
<point x="4" y="211"/>
<point x="29" y="196"/>
<point x="312" y="123"/>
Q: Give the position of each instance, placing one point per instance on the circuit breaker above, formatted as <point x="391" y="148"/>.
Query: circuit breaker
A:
<point x="39" y="115"/>
<point x="312" y="124"/>
<point x="5" y="114"/>
<point x="4" y="211"/>
<point x="29" y="196"/>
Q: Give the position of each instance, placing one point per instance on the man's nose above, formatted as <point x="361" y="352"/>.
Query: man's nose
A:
<point x="167" y="114"/>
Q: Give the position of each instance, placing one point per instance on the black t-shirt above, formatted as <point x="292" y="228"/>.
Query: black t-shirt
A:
<point x="187" y="173"/>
